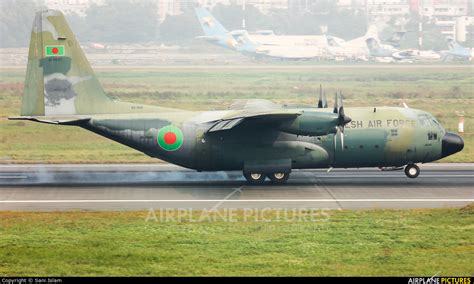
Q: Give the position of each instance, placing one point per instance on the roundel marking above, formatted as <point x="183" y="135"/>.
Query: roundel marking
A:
<point x="170" y="138"/>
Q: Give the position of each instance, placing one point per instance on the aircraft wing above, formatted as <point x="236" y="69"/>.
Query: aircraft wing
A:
<point x="267" y="118"/>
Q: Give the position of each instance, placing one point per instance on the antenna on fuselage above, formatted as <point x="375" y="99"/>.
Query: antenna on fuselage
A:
<point x="404" y="104"/>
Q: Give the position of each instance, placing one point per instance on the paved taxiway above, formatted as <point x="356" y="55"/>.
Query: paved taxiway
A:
<point x="140" y="187"/>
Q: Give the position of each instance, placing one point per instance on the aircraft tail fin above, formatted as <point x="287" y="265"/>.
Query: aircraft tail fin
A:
<point x="372" y="32"/>
<point x="372" y="44"/>
<point x="210" y="25"/>
<point x="396" y="38"/>
<point x="59" y="79"/>
<point x="330" y="41"/>
<point x="453" y="44"/>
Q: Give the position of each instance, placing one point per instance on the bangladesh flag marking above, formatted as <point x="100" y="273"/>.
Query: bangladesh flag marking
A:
<point x="170" y="138"/>
<point x="55" y="50"/>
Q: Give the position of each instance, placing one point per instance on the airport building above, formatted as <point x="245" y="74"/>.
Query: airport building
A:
<point x="70" y="6"/>
<point x="265" y="6"/>
<point x="386" y="9"/>
<point x="453" y="17"/>
<point x="168" y="8"/>
<point x="450" y="15"/>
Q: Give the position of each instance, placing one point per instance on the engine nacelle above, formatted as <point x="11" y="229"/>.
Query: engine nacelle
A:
<point x="312" y="124"/>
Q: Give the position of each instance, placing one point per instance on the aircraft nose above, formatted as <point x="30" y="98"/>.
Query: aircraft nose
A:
<point x="452" y="143"/>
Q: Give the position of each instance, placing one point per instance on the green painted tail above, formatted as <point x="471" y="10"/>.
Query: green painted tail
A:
<point x="59" y="79"/>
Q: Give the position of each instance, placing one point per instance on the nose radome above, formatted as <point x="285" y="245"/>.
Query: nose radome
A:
<point x="452" y="143"/>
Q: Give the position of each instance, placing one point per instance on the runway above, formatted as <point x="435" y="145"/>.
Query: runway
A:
<point x="160" y="186"/>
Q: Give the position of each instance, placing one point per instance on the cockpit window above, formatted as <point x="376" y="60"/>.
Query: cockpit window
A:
<point x="427" y="120"/>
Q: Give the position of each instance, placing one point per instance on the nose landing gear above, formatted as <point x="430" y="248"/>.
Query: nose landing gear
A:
<point x="412" y="171"/>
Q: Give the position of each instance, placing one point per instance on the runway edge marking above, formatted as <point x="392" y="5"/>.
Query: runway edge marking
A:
<point x="234" y="201"/>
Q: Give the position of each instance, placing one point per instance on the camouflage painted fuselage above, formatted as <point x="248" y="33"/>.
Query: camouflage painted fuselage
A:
<point x="383" y="136"/>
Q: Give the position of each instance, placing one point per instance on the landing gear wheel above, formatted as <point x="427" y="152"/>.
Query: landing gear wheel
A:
<point x="279" y="178"/>
<point x="254" y="178"/>
<point x="412" y="171"/>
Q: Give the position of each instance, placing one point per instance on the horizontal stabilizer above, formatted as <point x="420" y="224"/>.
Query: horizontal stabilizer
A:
<point x="238" y="32"/>
<point x="208" y="38"/>
<point x="53" y="120"/>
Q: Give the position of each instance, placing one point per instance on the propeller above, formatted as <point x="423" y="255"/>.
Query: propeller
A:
<point x="320" y="101"/>
<point x="342" y="119"/>
<point x="325" y="101"/>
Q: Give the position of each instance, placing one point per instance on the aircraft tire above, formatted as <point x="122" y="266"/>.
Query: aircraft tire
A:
<point x="412" y="171"/>
<point x="255" y="178"/>
<point x="279" y="178"/>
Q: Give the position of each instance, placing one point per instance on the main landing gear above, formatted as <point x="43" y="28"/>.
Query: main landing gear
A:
<point x="259" y="178"/>
<point x="412" y="170"/>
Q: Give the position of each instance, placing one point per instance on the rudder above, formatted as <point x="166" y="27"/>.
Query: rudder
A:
<point x="59" y="78"/>
<point x="210" y="25"/>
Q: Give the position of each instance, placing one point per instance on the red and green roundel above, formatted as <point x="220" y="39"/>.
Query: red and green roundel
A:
<point x="170" y="138"/>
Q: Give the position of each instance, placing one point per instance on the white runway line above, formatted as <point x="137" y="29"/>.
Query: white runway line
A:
<point x="13" y="177"/>
<point x="232" y="201"/>
<point x="391" y="176"/>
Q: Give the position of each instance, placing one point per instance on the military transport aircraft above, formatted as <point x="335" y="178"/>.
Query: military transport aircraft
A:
<point x="258" y="137"/>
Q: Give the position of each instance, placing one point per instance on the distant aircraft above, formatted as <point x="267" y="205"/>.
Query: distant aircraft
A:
<point x="257" y="137"/>
<point x="262" y="43"/>
<point x="388" y="53"/>
<point x="457" y="51"/>
<point x="416" y="55"/>
<point x="217" y="34"/>
<point x="380" y="52"/>
<point x="355" y="49"/>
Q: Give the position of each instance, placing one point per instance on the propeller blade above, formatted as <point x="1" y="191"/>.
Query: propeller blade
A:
<point x="342" y="119"/>
<point x="341" y="108"/>
<point x="325" y="101"/>
<point x="336" y="104"/>
<point x="320" y="101"/>
<point x="342" y="138"/>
